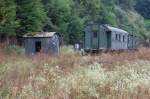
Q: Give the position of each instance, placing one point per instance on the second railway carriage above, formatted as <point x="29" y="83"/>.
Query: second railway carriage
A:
<point x="105" y="37"/>
<point x="118" y="38"/>
<point x="132" y="41"/>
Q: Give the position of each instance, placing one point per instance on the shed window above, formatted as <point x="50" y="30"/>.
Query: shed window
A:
<point x="37" y="46"/>
<point x="95" y="35"/>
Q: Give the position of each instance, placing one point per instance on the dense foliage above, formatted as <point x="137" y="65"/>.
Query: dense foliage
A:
<point x="31" y="15"/>
<point x="70" y="16"/>
<point x="143" y="8"/>
<point x="8" y="22"/>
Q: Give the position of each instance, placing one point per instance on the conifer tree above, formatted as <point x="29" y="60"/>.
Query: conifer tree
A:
<point x="8" y="21"/>
<point x="31" y="16"/>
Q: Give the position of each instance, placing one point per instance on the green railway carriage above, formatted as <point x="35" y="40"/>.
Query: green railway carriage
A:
<point x="119" y="38"/>
<point x="132" y="41"/>
<point x="94" y="37"/>
<point x="99" y="37"/>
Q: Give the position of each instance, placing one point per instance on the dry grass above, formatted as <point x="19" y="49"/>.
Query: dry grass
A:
<point x="72" y="76"/>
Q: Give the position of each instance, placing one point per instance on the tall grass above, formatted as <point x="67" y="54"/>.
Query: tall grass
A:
<point x="72" y="76"/>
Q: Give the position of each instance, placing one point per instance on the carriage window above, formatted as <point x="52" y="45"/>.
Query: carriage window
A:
<point x="123" y="38"/>
<point x="119" y="37"/>
<point x="95" y="34"/>
<point x="128" y="38"/>
<point x="116" y="36"/>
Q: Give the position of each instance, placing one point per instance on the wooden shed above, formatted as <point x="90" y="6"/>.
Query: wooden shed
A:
<point x="45" y="42"/>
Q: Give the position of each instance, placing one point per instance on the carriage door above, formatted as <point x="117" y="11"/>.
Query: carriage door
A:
<point x="95" y="39"/>
<point x="109" y="39"/>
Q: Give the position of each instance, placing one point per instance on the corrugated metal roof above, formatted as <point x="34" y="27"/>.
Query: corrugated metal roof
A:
<point x="41" y="34"/>
<point x="116" y="29"/>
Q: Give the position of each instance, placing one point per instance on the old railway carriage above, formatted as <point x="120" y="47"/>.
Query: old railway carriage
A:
<point x="100" y="37"/>
<point x="132" y="41"/>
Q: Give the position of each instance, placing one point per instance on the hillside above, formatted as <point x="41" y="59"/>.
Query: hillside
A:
<point x="69" y="17"/>
<point x="143" y="8"/>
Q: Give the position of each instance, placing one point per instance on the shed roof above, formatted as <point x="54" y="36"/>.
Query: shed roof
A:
<point x="41" y="34"/>
<point x="116" y="29"/>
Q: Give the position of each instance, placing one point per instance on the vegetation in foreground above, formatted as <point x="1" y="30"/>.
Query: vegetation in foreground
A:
<point x="71" y="76"/>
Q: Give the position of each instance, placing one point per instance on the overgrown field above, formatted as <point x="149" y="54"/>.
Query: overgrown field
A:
<point x="72" y="76"/>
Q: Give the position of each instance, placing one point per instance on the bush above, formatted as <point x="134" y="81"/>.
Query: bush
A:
<point x="67" y="49"/>
<point x="14" y="49"/>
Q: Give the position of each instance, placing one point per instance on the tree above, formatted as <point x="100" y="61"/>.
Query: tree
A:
<point x="59" y="15"/>
<point x="89" y="10"/>
<point x="31" y="16"/>
<point x="127" y="4"/>
<point x="8" y="21"/>
<point x="143" y="8"/>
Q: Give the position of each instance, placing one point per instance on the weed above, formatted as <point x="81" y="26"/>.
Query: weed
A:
<point x="72" y="76"/>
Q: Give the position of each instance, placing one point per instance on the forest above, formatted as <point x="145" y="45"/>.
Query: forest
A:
<point x="69" y="17"/>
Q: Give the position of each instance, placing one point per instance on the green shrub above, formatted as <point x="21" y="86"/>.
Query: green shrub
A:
<point x="15" y="49"/>
<point x="67" y="50"/>
<point x="5" y="92"/>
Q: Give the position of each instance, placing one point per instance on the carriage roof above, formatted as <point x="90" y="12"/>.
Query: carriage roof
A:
<point x="116" y="29"/>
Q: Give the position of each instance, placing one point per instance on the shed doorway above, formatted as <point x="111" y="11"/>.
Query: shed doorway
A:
<point x="37" y="46"/>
